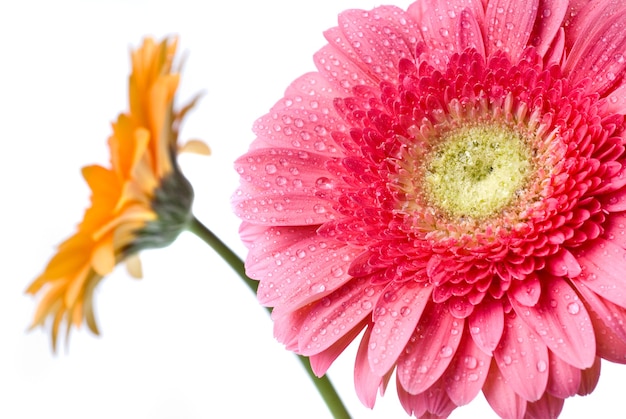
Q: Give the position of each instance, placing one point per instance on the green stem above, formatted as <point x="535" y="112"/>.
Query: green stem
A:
<point x="323" y="384"/>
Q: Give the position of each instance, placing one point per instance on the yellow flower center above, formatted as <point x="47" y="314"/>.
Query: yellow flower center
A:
<point x="476" y="170"/>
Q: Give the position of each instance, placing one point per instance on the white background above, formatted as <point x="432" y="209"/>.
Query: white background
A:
<point x="189" y="340"/>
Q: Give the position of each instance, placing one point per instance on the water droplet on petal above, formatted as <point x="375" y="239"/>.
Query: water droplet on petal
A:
<point x="573" y="308"/>
<point x="270" y="169"/>
<point x="542" y="366"/>
<point x="471" y="362"/>
<point x="337" y="271"/>
<point x="445" y="352"/>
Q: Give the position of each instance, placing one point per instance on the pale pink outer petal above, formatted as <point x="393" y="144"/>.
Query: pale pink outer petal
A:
<point x="522" y="359"/>
<point x="616" y="201"/>
<point x="309" y="118"/>
<point x="564" y="379"/>
<point x="295" y="265"/>
<point x="616" y="102"/>
<point x="562" y="322"/>
<point x="600" y="54"/>
<point x="468" y="33"/>
<point x="612" y="315"/>
<point x="337" y="69"/>
<point x="548" y="407"/>
<point x="287" y="328"/>
<point x="509" y="24"/>
<point x="412" y="404"/>
<point x="501" y="397"/>
<point x="366" y="382"/>
<point x="549" y="20"/>
<point x="584" y="15"/>
<point x="430" y="349"/>
<point x="322" y="361"/>
<point x="376" y="40"/>
<point x="278" y="187"/>
<point x="526" y="292"/>
<point x="467" y="372"/>
<point x="563" y="263"/>
<point x="438" y="21"/>
<point x="486" y="324"/>
<point x="609" y="326"/>
<point x="337" y="314"/>
<point x="589" y="378"/>
<point x="433" y="403"/>
<point x="396" y="314"/>
<point x="603" y="265"/>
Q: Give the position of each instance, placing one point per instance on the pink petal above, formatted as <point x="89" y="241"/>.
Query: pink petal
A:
<point x="438" y="20"/>
<point x="467" y="372"/>
<point x="395" y="317"/>
<point x="613" y="316"/>
<point x="547" y="407"/>
<point x="468" y="33"/>
<point x="522" y="359"/>
<point x="608" y="324"/>
<point x="509" y="25"/>
<point x="322" y="361"/>
<point x="295" y="265"/>
<point x="431" y="404"/>
<point x="365" y="381"/>
<point x="587" y="59"/>
<point x="334" y="64"/>
<point x="616" y="201"/>
<point x="336" y="314"/>
<point x="549" y="19"/>
<point x="501" y="397"/>
<point x="589" y="378"/>
<point x="563" y="263"/>
<point x="562" y="322"/>
<point x="486" y="325"/>
<point x="278" y="187"/>
<point x="604" y="264"/>
<point x="414" y="405"/>
<point x="430" y="349"/>
<point x="383" y="35"/>
<point x="526" y="292"/>
<point x="564" y="379"/>
<point x="287" y="327"/>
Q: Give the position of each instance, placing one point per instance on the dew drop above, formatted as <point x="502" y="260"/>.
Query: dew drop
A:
<point x="405" y="311"/>
<point x="301" y="254"/>
<point x="337" y="271"/>
<point x="472" y="377"/>
<point x="319" y="209"/>
<point x="324" y="183"/>
<point x="471" y="362"/>
<point x="507" y="359"/>
<point x="542" y="366"/>
<point x="444" y="32"/>
<point x="281" y="181"/>
<point x="573" y="308"/>
<point x="366" y="305"/>
<point x="445" y="352"/>
<point x="369" y="291"/>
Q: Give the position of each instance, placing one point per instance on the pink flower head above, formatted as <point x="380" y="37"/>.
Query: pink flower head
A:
<point x="450" y="181"/>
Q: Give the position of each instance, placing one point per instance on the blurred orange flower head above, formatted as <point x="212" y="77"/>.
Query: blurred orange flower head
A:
<point x="141" y="201"/>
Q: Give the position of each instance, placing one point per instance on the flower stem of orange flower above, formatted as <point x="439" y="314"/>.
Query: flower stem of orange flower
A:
<point x="323" y="384"/>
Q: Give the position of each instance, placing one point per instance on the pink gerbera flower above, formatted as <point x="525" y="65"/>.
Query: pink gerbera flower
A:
<point x="451" y="182"/>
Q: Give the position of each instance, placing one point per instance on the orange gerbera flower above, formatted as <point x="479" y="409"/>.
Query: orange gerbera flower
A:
<point x="141" y="201"/>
